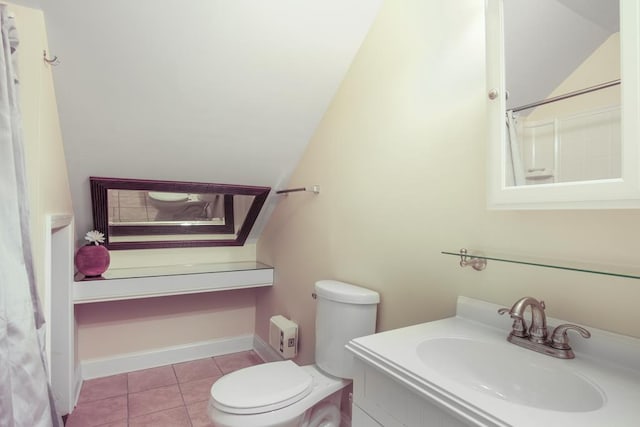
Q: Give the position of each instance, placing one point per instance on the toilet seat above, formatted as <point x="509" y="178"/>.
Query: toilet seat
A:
<point x="261" y="388"/>
<point x="168" y="197"/>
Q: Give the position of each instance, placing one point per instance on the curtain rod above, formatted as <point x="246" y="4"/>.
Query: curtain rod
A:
<point x="312" y="189"/>
<point x="566" y="95"/>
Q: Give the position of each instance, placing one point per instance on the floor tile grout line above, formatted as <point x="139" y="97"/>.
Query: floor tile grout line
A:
<point x="184" y="404"/>
<point x="159" y="410"/>
<point x="252" y="361"/>
<point x="128" y="413"/>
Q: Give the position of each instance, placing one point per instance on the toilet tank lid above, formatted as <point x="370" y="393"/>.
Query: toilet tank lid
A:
<point x="334" y="290"/>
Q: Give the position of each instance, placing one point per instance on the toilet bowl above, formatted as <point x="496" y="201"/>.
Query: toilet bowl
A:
<point x="177" y="206"/>
<point x="283" y="394"/>
<point x="256" y="400"/>
<point x="168" y="202"/>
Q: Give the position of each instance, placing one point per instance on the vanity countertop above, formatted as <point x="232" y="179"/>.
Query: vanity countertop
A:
<point x="608" y="362"/>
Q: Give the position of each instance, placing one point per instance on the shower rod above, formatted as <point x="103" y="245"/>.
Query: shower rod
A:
<point x="567" y="95"/>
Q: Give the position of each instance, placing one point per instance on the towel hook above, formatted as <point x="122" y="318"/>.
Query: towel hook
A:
<point x="54" y="61"/>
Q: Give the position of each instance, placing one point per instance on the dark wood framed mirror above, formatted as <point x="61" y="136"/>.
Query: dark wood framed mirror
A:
<point x="148" y="214"/>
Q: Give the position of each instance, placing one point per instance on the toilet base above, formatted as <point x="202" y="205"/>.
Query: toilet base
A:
<point x="321" y="405"/>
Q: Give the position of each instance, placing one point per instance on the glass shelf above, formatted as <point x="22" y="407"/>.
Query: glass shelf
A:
<point x="136" y="283"/>
<point x="174" y="270"/>
<point x="632" y="272"/>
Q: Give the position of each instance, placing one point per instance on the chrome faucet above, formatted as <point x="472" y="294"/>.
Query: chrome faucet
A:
<point x="535" y="337"/>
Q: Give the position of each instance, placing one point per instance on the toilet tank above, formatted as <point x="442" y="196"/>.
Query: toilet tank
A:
<point x="343" y="312"/>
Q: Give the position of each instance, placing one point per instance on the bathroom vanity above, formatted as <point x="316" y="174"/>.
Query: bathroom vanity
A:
<point x="379" y="399"/>
<point x="461" y="371"/>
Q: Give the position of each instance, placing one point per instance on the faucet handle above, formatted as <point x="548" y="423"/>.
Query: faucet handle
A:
<point x="519" y="327"/>
<point x="559" y="338"/>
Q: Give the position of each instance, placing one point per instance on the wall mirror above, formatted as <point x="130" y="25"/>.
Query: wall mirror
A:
<point x="563" y="104"/>
<point x="146" y="214"/>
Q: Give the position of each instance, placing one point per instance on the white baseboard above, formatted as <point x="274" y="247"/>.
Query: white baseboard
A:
<point x="265" y="351"/>
<point x="97" y="368"/>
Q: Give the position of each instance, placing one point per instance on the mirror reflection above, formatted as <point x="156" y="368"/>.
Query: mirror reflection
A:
<point x="141" y="214"/>
<point x="129" y="210"/>
<point x="562" y="76"/>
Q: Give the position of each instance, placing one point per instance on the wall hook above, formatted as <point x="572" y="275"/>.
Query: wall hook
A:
<point x="54" y="61"/>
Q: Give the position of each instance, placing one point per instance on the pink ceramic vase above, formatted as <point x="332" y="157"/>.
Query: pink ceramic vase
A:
<point x="92" y="260"/>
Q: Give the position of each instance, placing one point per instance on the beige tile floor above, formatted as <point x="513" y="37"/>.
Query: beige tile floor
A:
<point x="167" y="396"/>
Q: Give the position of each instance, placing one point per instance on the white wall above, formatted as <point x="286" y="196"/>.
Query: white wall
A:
<point x="45" y="162"/>
<point x="34" y="4"/>
<point x="400" y="158"/>
<point x="205" y="90"/>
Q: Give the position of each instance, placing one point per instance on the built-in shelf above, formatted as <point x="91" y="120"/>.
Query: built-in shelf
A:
<point x="632" y="272"/>
<point x="148" y="282"/>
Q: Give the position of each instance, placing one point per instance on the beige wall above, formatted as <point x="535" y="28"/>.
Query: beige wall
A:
<point x="112" y="328"/>
<point x="46" y="167"/>
<point x="170" y="256"/>
<point x="121" y="327"/>
<point x="603" y="65"/>
<point x="400" y="158"/>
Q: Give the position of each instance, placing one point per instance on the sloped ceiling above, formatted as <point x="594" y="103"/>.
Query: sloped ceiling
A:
<point x="223" y="91"/>
<point x="547" y="40"/>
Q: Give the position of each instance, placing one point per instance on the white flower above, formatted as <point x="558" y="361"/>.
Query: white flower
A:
<point x="95" y="237"/>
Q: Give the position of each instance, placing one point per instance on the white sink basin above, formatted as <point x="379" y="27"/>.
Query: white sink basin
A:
<point x="464" y="366"/>
<point x="509" y="373"/>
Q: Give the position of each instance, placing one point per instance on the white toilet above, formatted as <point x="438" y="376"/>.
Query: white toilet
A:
<point x="283" y="394"/>
<point x="168" y="202"/>
<point x="177" y="206"/>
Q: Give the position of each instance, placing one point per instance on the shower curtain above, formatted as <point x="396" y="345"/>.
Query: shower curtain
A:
<point x="514" y="149"/>
<point x="25" y="395"/>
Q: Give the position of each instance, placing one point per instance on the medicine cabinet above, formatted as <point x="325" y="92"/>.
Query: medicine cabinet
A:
<point x="573" y="144"/>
